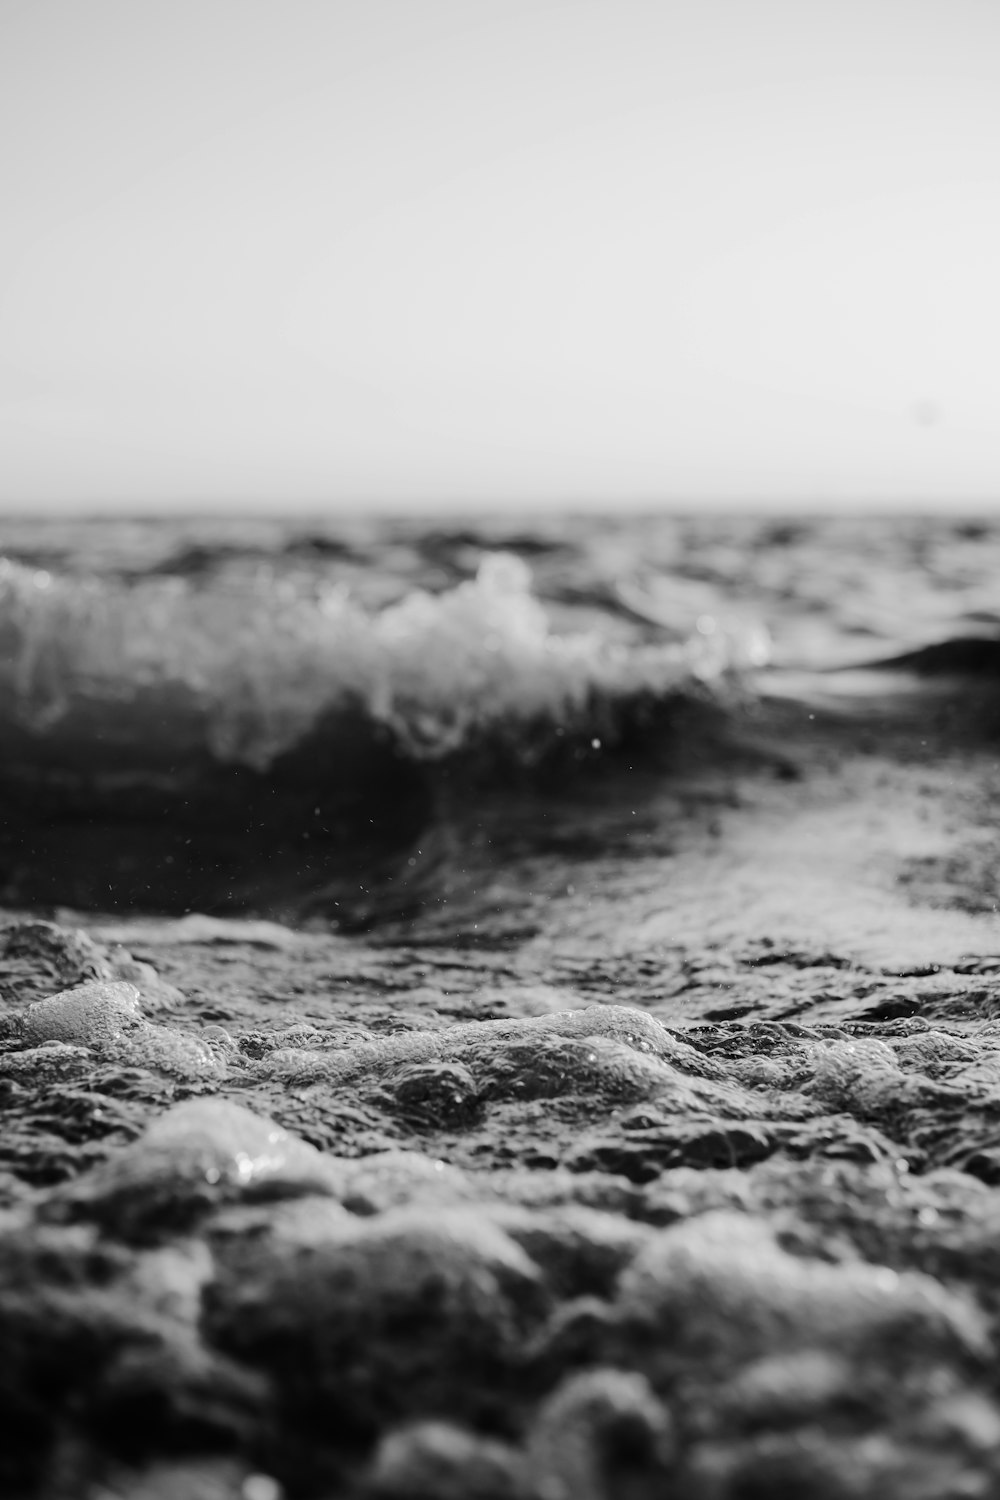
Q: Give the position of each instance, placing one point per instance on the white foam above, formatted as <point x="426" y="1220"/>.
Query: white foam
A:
<point x="259" y="660"/>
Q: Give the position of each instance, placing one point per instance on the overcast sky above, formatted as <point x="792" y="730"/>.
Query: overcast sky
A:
<point x="425" y="252"/>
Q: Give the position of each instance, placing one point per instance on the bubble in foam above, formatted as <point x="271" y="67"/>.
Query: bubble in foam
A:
<point x="92" y="1015"/>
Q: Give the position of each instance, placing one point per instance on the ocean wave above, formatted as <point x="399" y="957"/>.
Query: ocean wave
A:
<point x="245" y="667"/>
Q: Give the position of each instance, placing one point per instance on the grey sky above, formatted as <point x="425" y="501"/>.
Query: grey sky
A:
<point x="417" y="252"/>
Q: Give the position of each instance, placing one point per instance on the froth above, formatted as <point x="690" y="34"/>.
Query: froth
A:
<point x="257" y="661"/>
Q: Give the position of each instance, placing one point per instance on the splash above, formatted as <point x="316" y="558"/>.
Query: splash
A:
<point x="257" y="660"/>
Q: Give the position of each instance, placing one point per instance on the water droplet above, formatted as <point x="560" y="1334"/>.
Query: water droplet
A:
<point x="261" y="1487"/>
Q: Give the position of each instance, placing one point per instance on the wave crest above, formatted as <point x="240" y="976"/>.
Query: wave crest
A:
<point x="256" y="661"/>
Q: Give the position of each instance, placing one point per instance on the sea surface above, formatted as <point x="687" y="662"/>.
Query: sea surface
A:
<point x="500" y="1008"/>
<point x="444" y="632"/>
<point x="213" y="693"/>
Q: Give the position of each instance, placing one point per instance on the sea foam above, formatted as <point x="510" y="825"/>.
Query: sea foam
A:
<point x="257" y="660"/>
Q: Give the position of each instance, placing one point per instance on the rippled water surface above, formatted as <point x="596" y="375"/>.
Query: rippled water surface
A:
<point x="296" y="682"/>
<point x="509" y="1009"/>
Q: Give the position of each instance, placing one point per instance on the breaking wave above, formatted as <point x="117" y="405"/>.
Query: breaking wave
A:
<point x="244" y="668"/>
